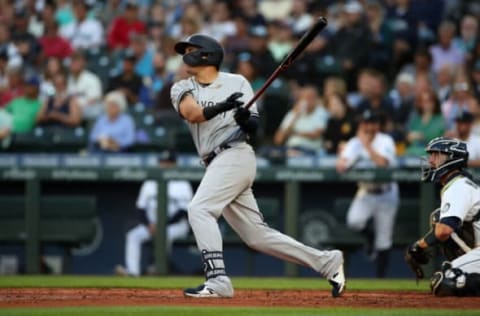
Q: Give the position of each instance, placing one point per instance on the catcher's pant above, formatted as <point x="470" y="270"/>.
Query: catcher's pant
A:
<point x="469" y="262"/>
<point x="226" y="189"/>
<point x="382" y="207"/>
<point x="140" y="234"/>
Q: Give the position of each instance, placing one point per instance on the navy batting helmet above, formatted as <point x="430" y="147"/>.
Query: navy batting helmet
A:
<point x="457" y="157"/>
<point x="209" y="51"/>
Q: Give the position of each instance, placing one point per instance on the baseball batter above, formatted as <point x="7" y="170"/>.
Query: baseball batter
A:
<point x="371" y="148"/>
<point x="456" y="225"/>
<point x="210" y="101"/>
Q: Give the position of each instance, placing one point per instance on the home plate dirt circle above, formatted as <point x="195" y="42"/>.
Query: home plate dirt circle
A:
<point x="59" y="297"/>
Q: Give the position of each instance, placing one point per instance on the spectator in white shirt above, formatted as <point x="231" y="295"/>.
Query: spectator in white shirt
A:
<point x="85" y="86"/>
<point x="84" y="32"/>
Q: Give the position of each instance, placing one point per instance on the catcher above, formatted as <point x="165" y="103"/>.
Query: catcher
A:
<point x="455" y="225"/>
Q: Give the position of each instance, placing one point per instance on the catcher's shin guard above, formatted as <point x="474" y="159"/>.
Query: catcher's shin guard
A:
<point x="454" y="282"/>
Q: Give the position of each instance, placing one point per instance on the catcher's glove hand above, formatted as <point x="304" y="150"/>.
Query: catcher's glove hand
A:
<point x="416" y="256"/>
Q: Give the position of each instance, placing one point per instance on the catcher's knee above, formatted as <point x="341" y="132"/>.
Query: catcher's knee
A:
<point x="454" y="282"/>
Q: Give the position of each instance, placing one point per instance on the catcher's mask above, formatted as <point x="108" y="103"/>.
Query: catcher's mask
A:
<point x="457" y="157"/>
<point x="209" y="51"/>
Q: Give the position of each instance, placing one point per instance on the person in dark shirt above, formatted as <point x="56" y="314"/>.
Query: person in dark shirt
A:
<point x="341" y="124"/>
<point x="127" y="81"/>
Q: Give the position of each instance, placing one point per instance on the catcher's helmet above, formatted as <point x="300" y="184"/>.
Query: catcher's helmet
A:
<point x="457" y="157"/>
<point x="209" y="51"/>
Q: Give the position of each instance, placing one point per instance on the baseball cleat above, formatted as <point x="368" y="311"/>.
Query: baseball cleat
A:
<point x="338" y="282"/>
<point x="202" y="291"/>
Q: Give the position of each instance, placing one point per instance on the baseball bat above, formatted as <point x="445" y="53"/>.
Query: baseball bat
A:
<point x="319" y="25"/>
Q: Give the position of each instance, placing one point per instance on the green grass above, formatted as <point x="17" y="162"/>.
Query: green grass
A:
<point x="201" y="311"/>
<point x="181" y="282"/>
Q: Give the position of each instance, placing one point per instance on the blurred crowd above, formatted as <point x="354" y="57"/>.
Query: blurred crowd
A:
<point x="69" y="64"/>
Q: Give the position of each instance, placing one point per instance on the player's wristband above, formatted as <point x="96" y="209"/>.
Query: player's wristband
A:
<point x="430" y="239"/>
<point x="210" y="112"/>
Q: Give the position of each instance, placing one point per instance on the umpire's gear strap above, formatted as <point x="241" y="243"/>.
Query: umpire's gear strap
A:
<point x="213" y="264"/>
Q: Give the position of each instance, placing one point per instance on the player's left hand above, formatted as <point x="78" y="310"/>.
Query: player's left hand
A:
<point x="241" y="115"/>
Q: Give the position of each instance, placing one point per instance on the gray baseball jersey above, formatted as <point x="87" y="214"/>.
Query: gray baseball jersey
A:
<point x="226" y="187"/>
<point x="222" y="128"/>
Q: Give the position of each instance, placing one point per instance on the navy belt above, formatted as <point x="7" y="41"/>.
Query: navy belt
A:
<point x="208" y="158"/>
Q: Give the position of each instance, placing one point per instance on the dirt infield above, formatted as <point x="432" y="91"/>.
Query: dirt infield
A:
<point x="50" y="297"/>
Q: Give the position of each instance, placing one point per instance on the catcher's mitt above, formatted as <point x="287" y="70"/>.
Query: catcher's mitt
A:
<point x="415" y="257"/>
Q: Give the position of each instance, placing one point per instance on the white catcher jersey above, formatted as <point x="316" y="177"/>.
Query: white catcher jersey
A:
<point x="461" y="198"/>
<point x="221" y="129"/>
<point x="179" y="194"/>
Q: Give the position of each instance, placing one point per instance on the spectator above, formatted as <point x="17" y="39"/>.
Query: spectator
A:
<point x="299" y="18"/>
<point x="24" y="109"/>
<point x="382" y="36"/>
<point x="124" y="26"/>
<point x="421" y="66"/>
<point x="463" y="131"/>
<point x="468" y="37"/>
<point x="378" y="101"/>
<point x="53" y="45"/>
<point x="259" y="50"/>
<point x="238" y="42"/>
<point x="43" y="17"/>
<point x="53" y="66"/>
<point x="154" y="84"/>
<point x="445" y="52"/>
<point x="83" y="33"/>
<point x="113" y="131"/>
<point x="85" y="86"/>
<point x="462" y="98"/>
<point x="64" y="14"/>
<point x="60" y="109"/>
<point x="371" y="148"/>
<point x="109" y="11"/>
<point x="341" y="125"/>
<point x="403" y="96"/>
<point x="26" y="44"/>
<point x="220" y="24"/>
<point x="281" y="40"/>
<point x="347" y="45"/>
<point x="362" y="89"/>
<point x="6" y="122"/>
<point x="443" y="82"/>
<point x="128" y="82"/>
<point x="426" y="123"/>
<point x="404" y="20"/>
<point x="179" y="194"/>
<point x="249" y="9"/>
<point x="143" y="54"/>
<point x="14" y="86"/>
<point x="476" y="79"/>
<point x="334" y="85"/>
<point x="302" y="128"/>
<point x="248" y="66"/>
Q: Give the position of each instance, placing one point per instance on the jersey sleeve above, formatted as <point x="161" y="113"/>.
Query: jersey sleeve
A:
<point x="178" y="91"/>
<point x="454" y="202"/>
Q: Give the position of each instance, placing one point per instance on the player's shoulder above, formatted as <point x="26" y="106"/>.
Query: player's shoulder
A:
<point x="183" y="84"/>
<point x="231" y="76"/>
